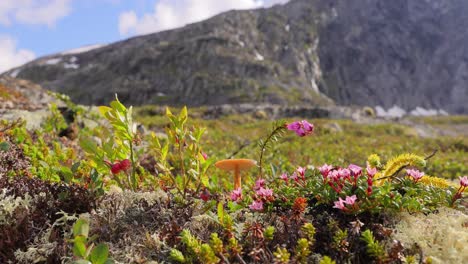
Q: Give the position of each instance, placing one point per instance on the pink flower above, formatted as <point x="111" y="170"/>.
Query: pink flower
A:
<point x="301" y="171"/>
<point x="371" y="171"/>
<point x="308" y="127"/>
<point x="264" y="193"/>
<point x="350" y="200"/>
<point x="284" y="177"/>
<point x="294" y="126"/>
<point x="416" y="174"/>
<point x="256" y="206"/>
<point x="334" y="175"/>
<point x="325" y="169"/>
<point x="205" y="156"/>
<point x="355" y="169"/>
<point x="259" y="184"/>
<point x="236" y="194"/>
<point x="344" y="173"/>
<point x="464" y="181"/>
<point x="294" y="177"/>
<point x="302" y="128"/>
<point x="339" y="204"/>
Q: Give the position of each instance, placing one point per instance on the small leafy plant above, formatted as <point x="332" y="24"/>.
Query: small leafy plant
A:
<point x="83" y="247"/>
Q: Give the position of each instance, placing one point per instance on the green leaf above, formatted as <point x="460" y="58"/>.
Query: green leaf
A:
<point x="79" y="246"/>
<point x="4" y="146"/>
<point x="183" y="115"/>
<point x="118" y="106"/>
<point x="99" y="254"/>
<point x="168" y="112"/>
<point x="88" y="145"/>
<point x="81" y="261"/>
<point x="81" y="228"/>
<point x="104" y="110"/>
<point x="75" y="166"/>
<point x="221" y="213"/>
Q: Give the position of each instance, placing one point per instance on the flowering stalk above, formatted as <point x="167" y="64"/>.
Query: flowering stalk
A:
<point x="461" y="189"/>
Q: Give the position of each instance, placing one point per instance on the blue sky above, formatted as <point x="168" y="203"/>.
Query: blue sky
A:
<point x="34" y="28"/>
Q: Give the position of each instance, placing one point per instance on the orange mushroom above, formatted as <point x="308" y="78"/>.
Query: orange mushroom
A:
<point x="236" y="165"/>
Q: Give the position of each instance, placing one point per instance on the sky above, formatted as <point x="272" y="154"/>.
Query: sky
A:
<point x="33" y="28"/>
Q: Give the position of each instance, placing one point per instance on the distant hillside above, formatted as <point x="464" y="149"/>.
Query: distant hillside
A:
<point x="400" y="53"/>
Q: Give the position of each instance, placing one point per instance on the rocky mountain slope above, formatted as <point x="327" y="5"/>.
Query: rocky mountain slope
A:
<point x="401" y="53"/>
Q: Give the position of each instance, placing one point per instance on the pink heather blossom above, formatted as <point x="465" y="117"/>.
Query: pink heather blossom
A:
<point x="264" y="193"/>
<point x="355" y="169"/>
<point x="344" y="173"/>
<point x="236" y="194"/>
<point x="464" y="181"/>
<point x="294" y="177"/>
<point x="205" y="156"/>
<point x="302" y="128"/>
<point x="339" y="204"/>
<point x="350" y="200"/>
<point x="416" y="174"/>
<point x="294" y="126"/>
<point x="371" y="171"/>
<point x="259" y="184"/>
<point x="301" y="171"/>
<point x="325" y="169"/>
<point x="256" y="206"/>
<point x="334" y="175"/>
<point x="284" y="177"/>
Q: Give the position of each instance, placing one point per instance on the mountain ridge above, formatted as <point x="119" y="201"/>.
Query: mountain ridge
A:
<point x="316" y="52"/>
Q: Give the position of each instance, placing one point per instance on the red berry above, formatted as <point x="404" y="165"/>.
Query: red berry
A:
<point x="205" y="195"/>
<point x="116" y="167"/>
<point x="125" y="164"/>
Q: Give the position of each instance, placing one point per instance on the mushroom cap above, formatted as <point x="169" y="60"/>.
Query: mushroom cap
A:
<point x="230" y="164"/>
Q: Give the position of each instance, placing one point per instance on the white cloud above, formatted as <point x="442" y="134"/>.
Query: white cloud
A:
<point x="168" y="14"/>
<point x="36" y="12"/>
<point x="10" y="55"/>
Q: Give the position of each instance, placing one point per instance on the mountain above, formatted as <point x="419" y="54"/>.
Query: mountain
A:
<point x="399" y="54"/>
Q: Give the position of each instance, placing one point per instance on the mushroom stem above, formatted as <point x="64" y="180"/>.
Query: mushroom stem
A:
<point x="237" y="177"/>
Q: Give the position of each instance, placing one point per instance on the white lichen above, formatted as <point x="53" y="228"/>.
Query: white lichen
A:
<point x="442" y="236"/>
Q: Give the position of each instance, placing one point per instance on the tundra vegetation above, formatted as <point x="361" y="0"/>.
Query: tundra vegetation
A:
<point x="107" y="191"/>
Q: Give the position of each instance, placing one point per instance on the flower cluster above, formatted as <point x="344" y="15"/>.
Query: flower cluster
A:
<point x="349" y="200"/>
<point x="337" y="177"/>
<point x="236" y="195"/>
<point x="415" y="174"/>
<point x="302" y="128"/>
<point x="461" y="189"/>
<point x="464" y="182"/>
<point x="262" y="195"/>
<point x="371" y="171"/>
<point x="297" y="176"/>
